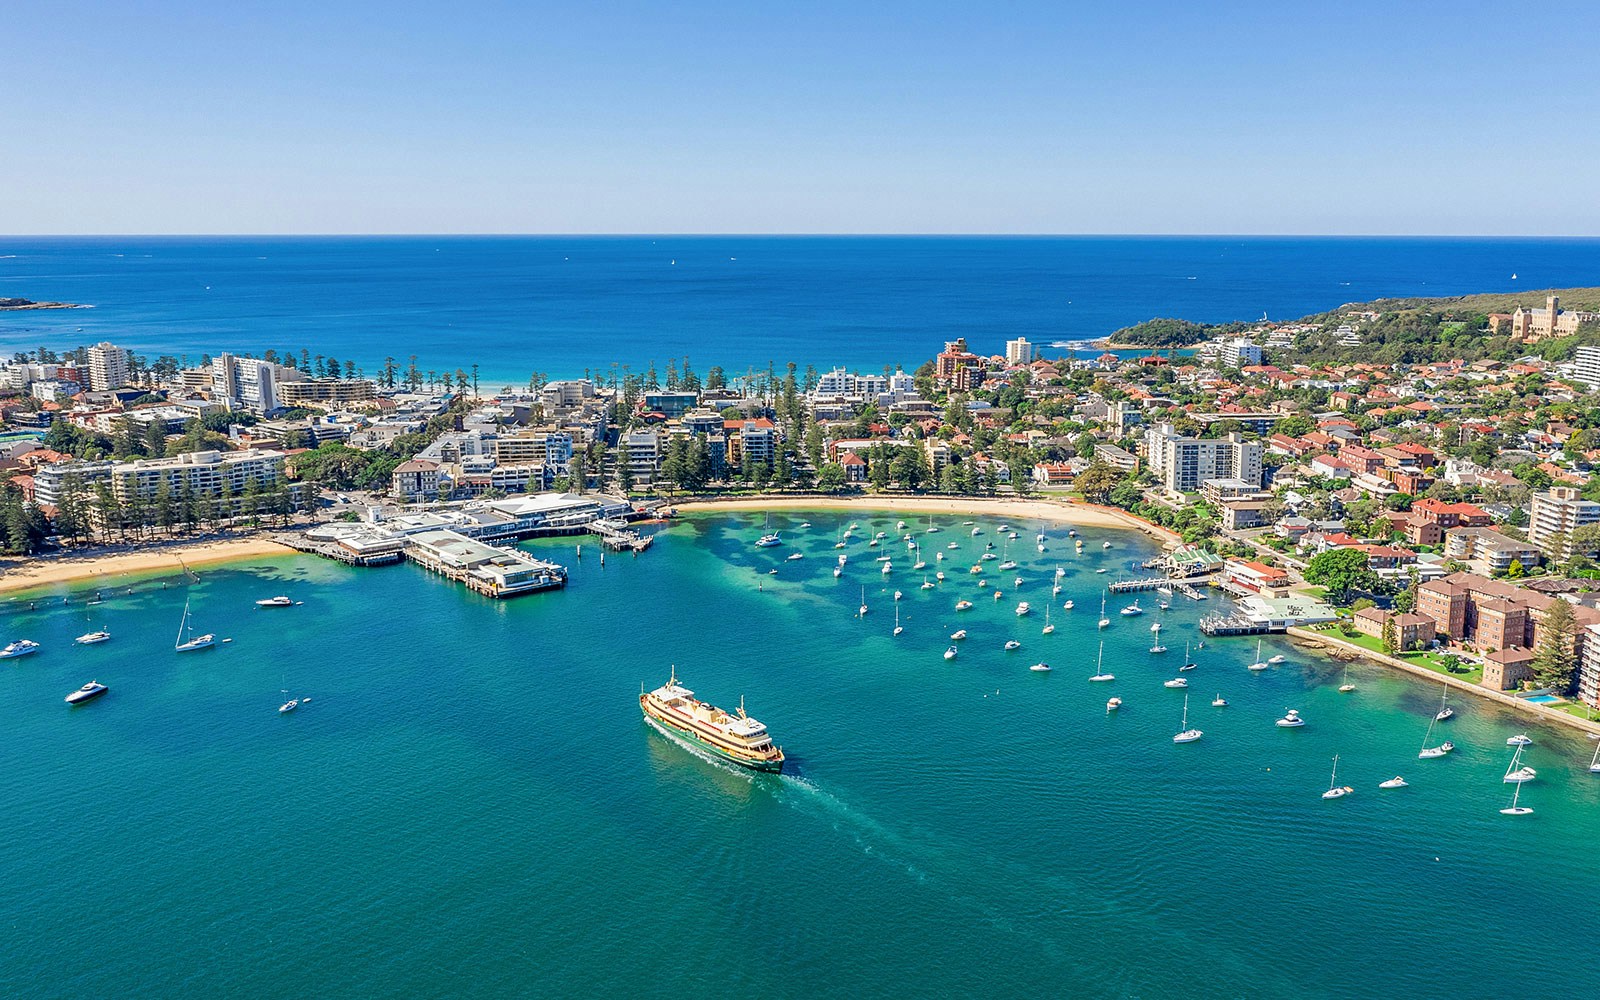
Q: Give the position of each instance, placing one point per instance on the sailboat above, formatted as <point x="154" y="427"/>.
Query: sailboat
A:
<point x="897" y="628"/>
<point x="290" y="705"/>
<point x="1517" y="775"/>
<point x="1048" y="628"/>
<point x="1346" y="687"/>
<point x="770" y="538"/>
<point x="863" y="612"/>
<point x="1007" y="563"/>
<point x="1513" y="809"/>
<point x="1104" y="621"/>
<point x="931" y="526"/>
<point x="921" y="563"/>
<point x="187" y="641"/>
<point x="1260" y="664"/>
<point x="1429" y="753"/>
<point x="1445" y="712"/>
<point x="1594" y="763"/>
<point x="90" y="638"/>
<point x="1335" y="790"/>
<point x="1099" y="669"/>
<point x="1188" y="664"/>
<point x="1185" y="734"/>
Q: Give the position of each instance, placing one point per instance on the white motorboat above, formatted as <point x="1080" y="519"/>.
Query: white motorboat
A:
<point x="887" y="567"/>
<point x="939" y="576"/>
<point x="289" y="706"/>
<point x="1445" y="713"/>
<point x="963" y="605"/>
<point x="22" y="647"/>
<point x="1336" y="790"/>
<point x="768" y="541"/>
<point x="1394" y="782"/>
<point x="1040" y="668"/>
<point x="928" y="584"/>
<point x="1099" y="667"/>
<point x="1105" y="545"/>
<point x="805" y="524"/>
<point x="950" y="653"/>
<point x="838" y="571"/>
<point x="1069" y="605"/>
<point x="1185" y="734"/>
<point x="1164" y="606"/>
<point x="1280" y="658"/>
<point x="1112" y="704"/>
<point x="278" y="602"/>
<point x="1012" y="644"/>
<point x="89" y="691"/>
<point x="1155" y="627"/>
<point x="1023" y="609"/>
<point x="1101" y="570"/>
<point x="958" y="634"/>
<point x="1291" y="720"/>
<point x="898" y="595"/>
<point x="1219" y="702"/>
<point x="795" y="555"/>
<point x="90" y="638"/>
<point x="1176" y="682"/>
<point x="1132" y="610"/>
<point x="1520" y="740"/>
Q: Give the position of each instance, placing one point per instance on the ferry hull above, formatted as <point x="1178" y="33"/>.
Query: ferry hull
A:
<point x="691" y="739"/>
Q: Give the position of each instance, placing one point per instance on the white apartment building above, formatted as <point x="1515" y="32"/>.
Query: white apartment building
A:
<point x="1020" y="352"/>
<point x="1587" y="367"/>
<point x="108" y="367"/>
<point x="1557" y="511"/>
<point x="250" y="383"/>
<point x="52" y="482"/>
<point x="213" y="474"/>
<point x="1185" y="463"/>
<point x="1239" y="353"/>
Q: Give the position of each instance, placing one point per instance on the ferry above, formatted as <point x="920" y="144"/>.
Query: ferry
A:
<point x="739" y="739"/>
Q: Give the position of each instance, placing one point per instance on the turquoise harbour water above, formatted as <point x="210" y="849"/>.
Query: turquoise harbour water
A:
<point x="471" y="805"/>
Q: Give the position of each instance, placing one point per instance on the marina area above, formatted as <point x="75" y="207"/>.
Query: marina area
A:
<point x="429" y="758"/>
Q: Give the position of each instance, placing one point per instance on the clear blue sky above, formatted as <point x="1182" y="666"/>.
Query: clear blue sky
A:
<point x="798" y="116"/>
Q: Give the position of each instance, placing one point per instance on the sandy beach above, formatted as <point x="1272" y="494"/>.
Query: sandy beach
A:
<point x="1062" y="511"/>
<point x="25" y="574"/>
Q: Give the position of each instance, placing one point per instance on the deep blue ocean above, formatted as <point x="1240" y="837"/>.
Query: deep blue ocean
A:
<point x="561" y="304"/>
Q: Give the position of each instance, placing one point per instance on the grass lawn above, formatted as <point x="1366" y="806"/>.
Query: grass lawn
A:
<point x="1432" y="661"/>
<point x="1579" y="709"/>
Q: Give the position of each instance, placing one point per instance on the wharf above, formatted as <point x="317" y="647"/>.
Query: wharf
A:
<point x="1153" y="582"/>
<point x="352" y="551"/>
<point x="483" y="568"/>
<point x="616" y="535"/>
<point x="1236" y="625"/>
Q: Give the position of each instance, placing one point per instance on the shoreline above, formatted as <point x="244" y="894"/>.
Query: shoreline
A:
<point x="1066" y="512"/>
<point x="32" y="574"/>
<point x="1536" y="711"/>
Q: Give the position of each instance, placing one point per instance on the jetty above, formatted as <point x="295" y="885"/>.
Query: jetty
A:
<point x="483" y="568"/>
<point x="1153" y="582"/>
<point x="615" y="534"/>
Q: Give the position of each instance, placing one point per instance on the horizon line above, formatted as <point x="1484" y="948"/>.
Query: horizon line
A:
<point x="802" y="235"/>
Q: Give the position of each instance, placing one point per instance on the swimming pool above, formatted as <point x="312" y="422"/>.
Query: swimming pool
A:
<point x="1543" y="699"/>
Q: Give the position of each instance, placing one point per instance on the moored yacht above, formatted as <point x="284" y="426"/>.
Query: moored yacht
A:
<point x="275" y="602"/>
<point x="1012" y="644"/>
<point x="1023" y="609"/>
<point x="739" y="739"/>
<point x="1040" y="668"/>
<point x="1336" y="790"/>
<point x="93" y="689"/>
<point x="1132" y="609"/>
<point x="22" y="647"/>
<point x="963" y="605"/>
<point x="950" y="653"/>
<point x="1176" y="682"/>
<point x="90" y="638"/>
<point x="1291" y="720"/>
<point x="1099" y="666"/>
<point x="1394" y="782"/>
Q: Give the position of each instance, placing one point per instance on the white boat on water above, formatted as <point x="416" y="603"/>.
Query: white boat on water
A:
<point x="1291" y="720"/>
<point x="1099" y="667"/>
<point x="1520" y="740"/>
<point x="1185" y="734"/>
<point x="1260" y="664"/>
<point x="1514" y="809"/>
<point x="1346" y="687"/>
<point x="897" y="627"/>
<point x="91" y="638"/>
<point x="284" y="602"/>
<point x="1164" y="591"/>
<point x="1105" y="545"/>
<point x="1040" y="668"/>
<point x="1279" y="658"/>
<point x="1219" y="702"/>
<point x="1158" y="648"/>
<point x="1012" y="644"/>
<point x="1104" y="621"/>
<point x="1394" y="782"/>
<point x="1112" y="704"/>
<point x="1430" y="753"/>
<point x="1594" y="762"/>
<point x="22" y="647"/>
<point x="1048" y="628"/>
<point x="89" y="691"/>
<point x="862" y="613"/>
<point x="958" y="634"/>
<point x="796" y="555"/>
<point x="1176" y="682"/>
<point x="1336" y="790"/>
<point x="1132" y="609"/>
<point x="963" y="605"/>
<point x="187" y="641"/>
<point x="1069" y="605"/>
<point x="1517" y="775"/>
<point x="950" y="653"/>
<point x="1023" y="609"/>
